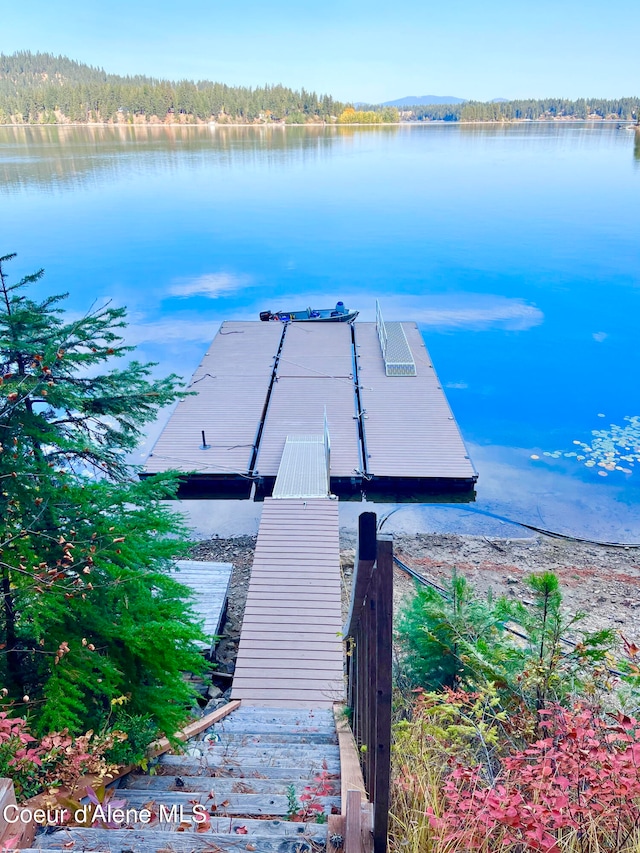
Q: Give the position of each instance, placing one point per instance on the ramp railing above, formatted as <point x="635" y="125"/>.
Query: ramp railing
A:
<point x="327" y="450"/>
<point x="382" y="331"/>
<point x="396" y="352"/>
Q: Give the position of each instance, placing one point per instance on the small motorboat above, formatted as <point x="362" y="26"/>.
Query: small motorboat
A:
<point x="339" y="314"/>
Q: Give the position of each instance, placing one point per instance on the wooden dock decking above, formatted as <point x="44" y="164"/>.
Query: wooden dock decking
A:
<point x="410" y="431"/>
<point x="314" y="374"/>
<point x="392" y="430"/>
<point x="233" y="377"/>
<point x="290" y="652"/>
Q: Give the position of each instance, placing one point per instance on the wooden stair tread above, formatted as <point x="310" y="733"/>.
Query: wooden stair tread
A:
<point x="221" y="784"/>
<point x="240" y="770"/>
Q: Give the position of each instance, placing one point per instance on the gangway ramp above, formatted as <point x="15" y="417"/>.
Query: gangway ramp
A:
<point x="290" y="653"/>
<point x="304" y="469"/>
<point x="396" y="352"/>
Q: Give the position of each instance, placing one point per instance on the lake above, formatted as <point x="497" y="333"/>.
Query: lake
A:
<point x="516" y="249"/>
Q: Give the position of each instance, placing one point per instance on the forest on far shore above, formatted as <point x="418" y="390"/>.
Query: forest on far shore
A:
<point x="40" y="88"/>
<point x="532" y="109"/>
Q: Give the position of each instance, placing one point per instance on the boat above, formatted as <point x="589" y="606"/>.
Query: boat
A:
<point x="339" y="314"/>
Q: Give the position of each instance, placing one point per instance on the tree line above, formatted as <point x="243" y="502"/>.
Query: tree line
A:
<point x="43" y="88"/>
<point x="40" y="88"/>
<point x="622" y="109"/>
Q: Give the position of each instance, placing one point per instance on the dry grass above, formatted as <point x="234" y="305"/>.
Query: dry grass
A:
<point x="419" y="766"/>
<point x="416" y="786"/>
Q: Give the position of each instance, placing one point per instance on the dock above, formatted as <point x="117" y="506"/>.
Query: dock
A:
<point x="314" y="372"/>
<point x="230" y="385"/>
<point x="392" y="430"/>
<point x="294" y="414"/>
<point x="409" y="429"/>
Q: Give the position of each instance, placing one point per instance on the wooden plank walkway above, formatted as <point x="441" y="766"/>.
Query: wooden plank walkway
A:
<point x="241" y="771"/>
<point x="210" y="585"/>
<point x="290" y="652"/>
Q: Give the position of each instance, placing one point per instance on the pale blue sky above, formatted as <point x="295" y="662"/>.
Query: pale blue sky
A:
<point x="357" y="49"/>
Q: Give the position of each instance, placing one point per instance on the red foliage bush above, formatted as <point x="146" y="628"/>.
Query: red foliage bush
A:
<point x="57" y="759"/>
<point x="582" y="777"/>
<point x="20" y="754"/>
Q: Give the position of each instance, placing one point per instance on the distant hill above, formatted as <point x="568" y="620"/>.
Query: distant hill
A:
<point x="424" y="100"/>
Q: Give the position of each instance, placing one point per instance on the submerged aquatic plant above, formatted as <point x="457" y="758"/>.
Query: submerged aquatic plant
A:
<point x="613" y="449"/>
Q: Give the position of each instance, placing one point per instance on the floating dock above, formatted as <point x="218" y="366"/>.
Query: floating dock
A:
<point x="390" y="426"/>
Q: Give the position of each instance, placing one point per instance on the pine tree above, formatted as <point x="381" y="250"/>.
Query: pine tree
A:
<point x="458" y="638"/>
<point x="90" y="612"/>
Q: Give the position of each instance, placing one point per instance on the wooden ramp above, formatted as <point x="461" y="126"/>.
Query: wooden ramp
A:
<point x="290" y="652"/>
<point x="209" y="583"/>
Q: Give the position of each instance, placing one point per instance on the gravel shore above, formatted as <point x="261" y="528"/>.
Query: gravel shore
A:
<point x="602" y="582"/>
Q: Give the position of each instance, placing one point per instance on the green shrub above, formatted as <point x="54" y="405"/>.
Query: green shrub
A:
<point x="90" y="611"/>
<point x="462" y="639"/>
<point x="140" y="730"/>
<point x="452" y="639"/>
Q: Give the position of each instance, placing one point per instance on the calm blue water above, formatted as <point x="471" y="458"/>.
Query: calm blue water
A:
<point x="516" y="249"/>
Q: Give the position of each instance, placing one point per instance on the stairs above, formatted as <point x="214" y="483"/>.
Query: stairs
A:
<point x="242" y="779"/>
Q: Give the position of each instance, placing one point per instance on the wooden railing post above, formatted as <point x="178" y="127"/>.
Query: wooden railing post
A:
<point x="380" y="784"/>
<point x="357" y="673"/>
<point x="369" y="631"/>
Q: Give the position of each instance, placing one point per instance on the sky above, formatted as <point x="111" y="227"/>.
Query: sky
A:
<point x="355" y="50"/>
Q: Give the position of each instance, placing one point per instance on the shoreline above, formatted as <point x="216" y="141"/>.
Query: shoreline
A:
<point x="626" y="123"/>
<point x="597" y="580"/>
<point x="600" y="581"/>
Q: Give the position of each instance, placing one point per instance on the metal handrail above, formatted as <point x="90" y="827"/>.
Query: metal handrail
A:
<point x="381" y="329"/>
<point x="327" y="450"/>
